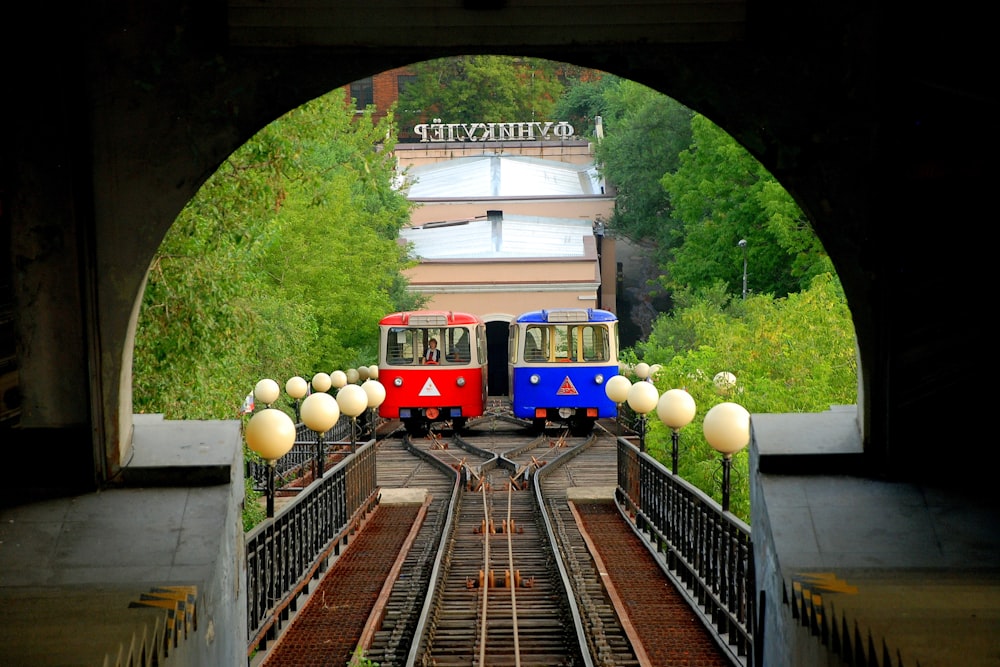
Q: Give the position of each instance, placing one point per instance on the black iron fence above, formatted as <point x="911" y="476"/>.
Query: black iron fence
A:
<point x="707" y="552"/>
<point x="284" y="553"/>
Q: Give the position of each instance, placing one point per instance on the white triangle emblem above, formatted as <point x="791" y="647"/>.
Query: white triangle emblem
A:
<point x="430" y="389"/>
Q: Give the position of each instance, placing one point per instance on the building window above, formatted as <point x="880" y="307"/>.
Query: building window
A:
<point x="362" y="94"/>
<point x="403" y="82"/>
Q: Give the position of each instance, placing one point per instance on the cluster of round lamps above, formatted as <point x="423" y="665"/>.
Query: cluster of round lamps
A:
<point x="726" y="425"/>
<point x="271" y="432"/>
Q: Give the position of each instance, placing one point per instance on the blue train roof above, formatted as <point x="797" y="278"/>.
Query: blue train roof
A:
<point x="567" y="315"/>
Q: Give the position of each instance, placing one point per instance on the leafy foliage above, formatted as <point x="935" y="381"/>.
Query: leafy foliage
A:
<point x="453" y="89"/>
<point x="720" y="195"/>
<point x="585" y="99"/>
<point x="792" y="354"/>
<point x="258" y="276"/>
<point x="645" y="133"/>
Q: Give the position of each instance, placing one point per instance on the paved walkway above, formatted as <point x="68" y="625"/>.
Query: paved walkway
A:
<point x="326" y="630"/>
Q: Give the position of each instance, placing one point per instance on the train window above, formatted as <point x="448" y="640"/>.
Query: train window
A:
<point x="563" y="340"/>
<point x="457" y="347"/>
<point x="399" y="346"/>
<point x="534" y="344"/>
<point x="594" y="342"/>
<point x="423" y="341"/>
<point x="561" y="343"/>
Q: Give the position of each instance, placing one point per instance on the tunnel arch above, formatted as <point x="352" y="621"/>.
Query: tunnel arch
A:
<point x="845" y="106"/>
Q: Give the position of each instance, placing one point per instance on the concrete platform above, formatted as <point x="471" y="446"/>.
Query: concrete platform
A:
<point x="402" y="496"/>
<point x="590" y="493"/>
<point x="909" y="567"/>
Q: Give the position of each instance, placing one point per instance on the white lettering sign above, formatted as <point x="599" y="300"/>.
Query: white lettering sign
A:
<point x="438" y="131"/>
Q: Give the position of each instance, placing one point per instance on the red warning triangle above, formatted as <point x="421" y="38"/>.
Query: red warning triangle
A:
<point x="567" y="388"/>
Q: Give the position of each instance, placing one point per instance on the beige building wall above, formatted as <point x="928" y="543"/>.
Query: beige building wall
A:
<point x="514" y="286"/>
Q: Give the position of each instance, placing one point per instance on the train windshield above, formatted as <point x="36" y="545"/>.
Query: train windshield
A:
<point x="567" y="342"/>
<point x="428" y="345"/>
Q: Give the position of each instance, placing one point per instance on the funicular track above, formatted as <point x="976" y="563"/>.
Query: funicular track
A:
<point x="403" y="466"/>
<point x="516" y="610"/>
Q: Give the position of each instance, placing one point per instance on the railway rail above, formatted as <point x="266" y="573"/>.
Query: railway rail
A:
<point x="512" y="586"/>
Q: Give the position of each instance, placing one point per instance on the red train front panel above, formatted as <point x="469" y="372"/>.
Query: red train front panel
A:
<point x="432" y="364"/>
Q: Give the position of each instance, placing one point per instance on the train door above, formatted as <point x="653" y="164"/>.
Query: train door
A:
<point x="496" y="346"/>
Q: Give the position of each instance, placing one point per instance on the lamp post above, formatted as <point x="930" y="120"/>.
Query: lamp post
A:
<point x="352" y="376"/>
<point x="338" y="379"/>
<point x="321" y="382"/>
<point x="373" y="372"/>
<point x="271" y="434"/>
<point x="727" y="430"/>
<point x="320" y="412"/>
<point x="724" y="382"/>
<point x="642" y="371"/>
<point x="642" y="397"/>
<point x="743" y="244"/>
<point x="266" y="391"/>
<point x="353" y="400"/>
<point x="296" y="387"/>
<point x="676" y="409"/>
<point x="375" y="391"/>
<point x="616" y="389"/>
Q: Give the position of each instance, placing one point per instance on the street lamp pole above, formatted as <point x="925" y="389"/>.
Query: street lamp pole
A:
<point x="320" y="412"/>
<point x="743" y="244"/>
<point x="676" y="409"/>
<point x="616" y="389"/>
<point x="376" y="395"/>
<point x="271" y="434"/>
<point x="297" y="388"/>
<point x="353" y="400"/>
<point x="727" y="430"/>
<point x="642" y="397"/>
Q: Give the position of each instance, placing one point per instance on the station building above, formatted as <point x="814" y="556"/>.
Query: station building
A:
<point x="502" y="227"/>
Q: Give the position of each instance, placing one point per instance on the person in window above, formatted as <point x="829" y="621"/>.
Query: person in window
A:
<point x="432" y="355"/>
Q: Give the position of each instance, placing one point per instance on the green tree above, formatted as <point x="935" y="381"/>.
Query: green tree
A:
<point x="790" y="354"/>
<point x="645" y="132"/>
<point x="721" y="194"/>
<point x="258" y="275"/>
<point x="584" y="99"/>
<point x="482" y="88"/>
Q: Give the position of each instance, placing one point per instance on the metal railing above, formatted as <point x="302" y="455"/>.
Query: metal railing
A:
<point x="284" y="553"/>
<point x="708" y="553"/>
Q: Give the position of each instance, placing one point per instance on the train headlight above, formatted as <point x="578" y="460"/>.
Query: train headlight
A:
<point x="397" y="382"/>
<point x="460" y="381"/>
<point x="599" y="378"/>
<point x="535" y="378"/>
